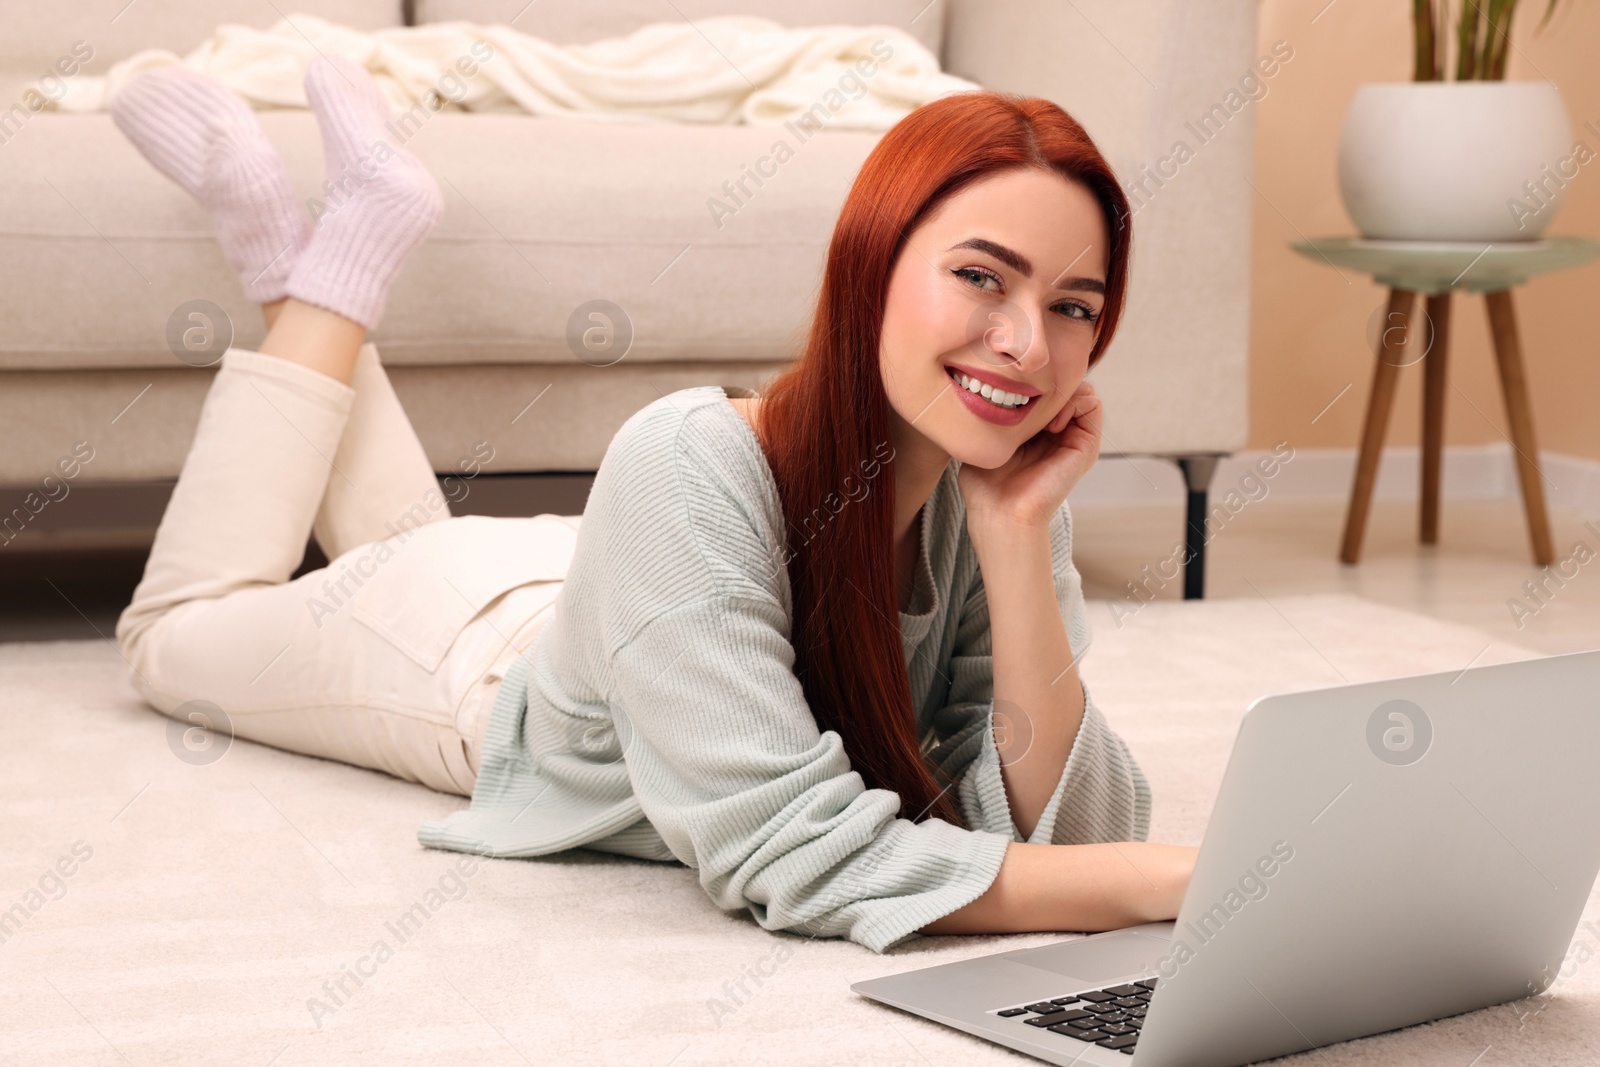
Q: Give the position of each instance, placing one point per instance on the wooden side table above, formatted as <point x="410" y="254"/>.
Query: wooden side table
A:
<point x="1434" y="270"/>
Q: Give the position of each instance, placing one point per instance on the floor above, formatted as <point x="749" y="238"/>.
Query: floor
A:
<point x="289" y="888"/>
<point x="1474" y="575"/>
<point x="178" y="903"/>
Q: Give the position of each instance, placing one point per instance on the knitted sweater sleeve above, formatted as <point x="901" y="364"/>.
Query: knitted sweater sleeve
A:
<point x="721" y="748"/>
<point x="1102" y="795"/>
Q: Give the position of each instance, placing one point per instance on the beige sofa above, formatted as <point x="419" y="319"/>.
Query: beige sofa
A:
<point x="544" y="215"/>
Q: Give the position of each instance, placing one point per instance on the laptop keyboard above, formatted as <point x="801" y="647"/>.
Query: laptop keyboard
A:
<point x="1111" y="1017"/>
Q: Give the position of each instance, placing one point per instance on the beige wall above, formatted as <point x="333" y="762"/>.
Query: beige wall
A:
<point x="1309" y="328"/>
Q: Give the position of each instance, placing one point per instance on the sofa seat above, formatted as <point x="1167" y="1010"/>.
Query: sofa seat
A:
<point x="553" y="214"/>
<point x="541" y="216"/>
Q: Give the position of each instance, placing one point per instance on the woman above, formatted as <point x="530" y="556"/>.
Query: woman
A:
<point x="711" y="670"/>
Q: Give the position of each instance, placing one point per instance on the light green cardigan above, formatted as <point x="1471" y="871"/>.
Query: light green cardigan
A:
<point x="657" y="713"/>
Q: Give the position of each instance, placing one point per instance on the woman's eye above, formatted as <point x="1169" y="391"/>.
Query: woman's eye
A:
<point x="977" y="277"/>
<point x="989" y="282"/>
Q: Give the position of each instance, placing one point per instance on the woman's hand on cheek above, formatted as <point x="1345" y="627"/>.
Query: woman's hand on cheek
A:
<point x="1031" y="486"/>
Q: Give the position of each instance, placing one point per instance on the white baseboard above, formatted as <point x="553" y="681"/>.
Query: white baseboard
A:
<point x="1471" y="472"/>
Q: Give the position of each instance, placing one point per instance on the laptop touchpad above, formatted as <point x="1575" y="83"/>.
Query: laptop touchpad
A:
<point x="1097" y="959"/>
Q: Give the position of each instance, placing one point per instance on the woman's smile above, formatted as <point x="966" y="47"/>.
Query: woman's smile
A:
<point x="988" y="408"/>
<point x="1005" y="392"/>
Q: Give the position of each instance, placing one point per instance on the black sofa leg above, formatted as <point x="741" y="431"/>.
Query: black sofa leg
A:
<point x="1197" y="472"/>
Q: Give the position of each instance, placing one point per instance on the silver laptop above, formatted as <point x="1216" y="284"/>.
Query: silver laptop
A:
<point x="1380" y="855"/>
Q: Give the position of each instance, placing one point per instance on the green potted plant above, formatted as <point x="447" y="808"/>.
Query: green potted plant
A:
<point x="1477" y="158"/>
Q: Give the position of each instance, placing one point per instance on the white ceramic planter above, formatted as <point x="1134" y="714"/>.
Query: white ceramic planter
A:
<point x="1450" y="161"/>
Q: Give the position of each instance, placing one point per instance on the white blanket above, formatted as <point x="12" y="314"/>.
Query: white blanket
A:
<point x="725" y="70"/>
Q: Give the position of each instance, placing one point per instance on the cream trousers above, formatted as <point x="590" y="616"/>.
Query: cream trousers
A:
<point x="390" y="656"/>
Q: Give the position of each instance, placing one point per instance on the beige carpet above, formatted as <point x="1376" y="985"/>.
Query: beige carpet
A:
<point x="207" y="905"/>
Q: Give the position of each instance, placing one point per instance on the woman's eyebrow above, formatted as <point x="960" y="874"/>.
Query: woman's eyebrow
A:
<point x="1015" y="260"/>
<point x="1019" y="263"/>
<point x="1087" y="285"/>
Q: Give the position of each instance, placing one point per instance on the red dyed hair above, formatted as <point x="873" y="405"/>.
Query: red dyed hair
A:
<point x="823" y="419"/>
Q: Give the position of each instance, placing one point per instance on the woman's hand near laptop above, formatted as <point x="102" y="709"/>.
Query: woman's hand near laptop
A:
<point x="1076" y="887"/>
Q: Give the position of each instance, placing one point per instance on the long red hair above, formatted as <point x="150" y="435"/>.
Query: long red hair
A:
<point x="824" y="421"/>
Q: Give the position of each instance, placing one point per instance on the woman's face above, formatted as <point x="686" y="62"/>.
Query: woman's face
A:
<point x="1001" y="286"/>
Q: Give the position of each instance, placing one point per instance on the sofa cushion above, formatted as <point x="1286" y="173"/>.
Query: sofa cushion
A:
<point x="33" y="35"/>
<point x="581" y="23"/>
<point x="542" y="216"/>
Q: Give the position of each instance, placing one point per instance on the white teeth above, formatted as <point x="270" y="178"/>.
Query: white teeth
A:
<point x="998" y="397"/>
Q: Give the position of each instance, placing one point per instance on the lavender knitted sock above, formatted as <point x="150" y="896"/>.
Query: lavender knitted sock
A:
<point x="381" y="200"/>
<point x="197" y="132"/>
